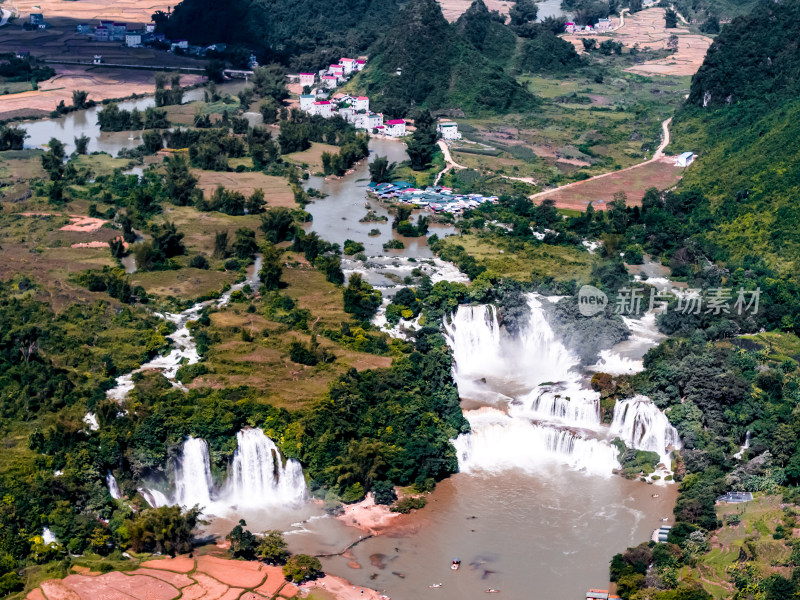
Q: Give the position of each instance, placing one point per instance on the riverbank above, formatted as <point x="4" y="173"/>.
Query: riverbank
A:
<point x="368" y="516"/>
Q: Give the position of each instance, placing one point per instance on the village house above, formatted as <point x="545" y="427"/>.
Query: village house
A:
<point x="569" y="27"/>
<point x="133" y="39"/>
<point x="101" y="33"/>
<point x="448" y="130"/>
<point x="361" y="103"/>
<point x="323" y="108"/>
<point x="348" y="114"/>
<point x="307" y="102"/>
<point x="329" y="81"/>
<point x="118" y="32"/>
<point x="685" y="159"/>
<point x="182" y="44"/>
<point x="98" y="59"/>
<point x="347" y="64"/>
<point x="83" y="28"/>
<point x="37" y="19"/>
<point x="603" y="25"/>
<point x="359" y="64"/>
<point x="337" y="70"/>
<point x="307" y="79"/>
<point x="150" y="28"/>
<point x="395" y="127"/>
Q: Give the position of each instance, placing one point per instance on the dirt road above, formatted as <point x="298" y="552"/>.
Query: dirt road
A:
<point x="657" y="170"/>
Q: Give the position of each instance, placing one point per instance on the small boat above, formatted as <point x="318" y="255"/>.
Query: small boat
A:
<point x="435" y="585"/>
<point x="492" y="591"/>
<point x="455" y="564"/>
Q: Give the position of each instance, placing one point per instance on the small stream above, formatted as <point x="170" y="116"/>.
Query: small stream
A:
<point x="184" y="347"/>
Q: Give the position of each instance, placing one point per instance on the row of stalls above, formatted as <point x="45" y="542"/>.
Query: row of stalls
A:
<point x="434" y="198"/>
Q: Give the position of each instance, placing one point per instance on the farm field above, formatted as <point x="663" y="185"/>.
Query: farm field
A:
<point x="599" y="191"/>
<point x="646" y="30"/>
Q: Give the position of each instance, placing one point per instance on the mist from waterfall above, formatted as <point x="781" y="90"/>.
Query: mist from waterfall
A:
<point x="536" y="406"/>
<point x="258" y="476"/>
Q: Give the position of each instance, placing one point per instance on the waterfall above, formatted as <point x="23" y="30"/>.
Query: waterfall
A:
<point x="193" y="483"/>
<point x="744" y="447"/>
<point x="474" y="335"/>
<point x="154" y="498"/>
<point x="552" y="416"/>
<point x="499" y="441"/>
<point x="113" y="488"/>
<point x="569" y="404"/>
<point x="641" y="425"/>
<point x="48" y="537"/>
<point x="258" y="477"/>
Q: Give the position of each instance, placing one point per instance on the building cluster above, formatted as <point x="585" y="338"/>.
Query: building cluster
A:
<point x="136" y="37"/>
<point x="434" y="198"/>
<point x="600" y="26"/>
<point x="354" y="109"/>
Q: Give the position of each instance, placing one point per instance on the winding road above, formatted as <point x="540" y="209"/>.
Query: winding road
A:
<point x="448" y="158"/>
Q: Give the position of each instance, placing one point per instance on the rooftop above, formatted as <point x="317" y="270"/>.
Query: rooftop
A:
<point x="395" y="122"/>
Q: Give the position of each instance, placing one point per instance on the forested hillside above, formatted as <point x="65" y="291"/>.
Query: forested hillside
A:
<point x="423" y="60"/>
<point x="742" y="120"/>
<point x="312" y="31"/>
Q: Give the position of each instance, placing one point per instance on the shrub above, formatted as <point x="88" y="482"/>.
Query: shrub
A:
<point x="199" y="262"/>
<point x="406" y="505"/>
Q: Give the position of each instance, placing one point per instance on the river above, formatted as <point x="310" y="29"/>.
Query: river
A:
<point x="84" y="122"/>
<point x="336" y="217"/>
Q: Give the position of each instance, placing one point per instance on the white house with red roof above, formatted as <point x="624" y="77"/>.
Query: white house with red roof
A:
<point x="347" y="63"/>
<point x="359" y="64"/>
<point x="323" y="108"/>
<point x="361" y="103"/>
<point x="395" y="127"/>
<point x="307" y="79"/>
<point x="329" y="81"/>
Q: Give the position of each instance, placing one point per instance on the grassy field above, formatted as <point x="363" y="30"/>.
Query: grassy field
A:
<point x="751" y="537"/>
<point x="313" y="156"/>
<point x="587" y="125"/>
<point x="254" y="350"/>
<point x="101" y="164"/>
<point x="780" y="345"/>
<point x="558" y="262"/>
<point x="276" y="189"/>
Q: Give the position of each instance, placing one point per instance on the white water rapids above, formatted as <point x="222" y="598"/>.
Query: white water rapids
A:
<point x="185" y="349"/>
<point x="534" y="407"/>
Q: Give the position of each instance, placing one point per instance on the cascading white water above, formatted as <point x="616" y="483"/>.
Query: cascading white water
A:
<point x="744" y="447"/>
<point x="193" y="482"/>
<point x="258" y="477"/>
<point x="113" y="488"/>
<point x="185" y="348"/>
<point x="154" y="498"/>
<point x="499" y="441"/>
<point x="569" y="404"/>
<point x="641" y="425"/>
<point x="552" y="415"/>
<point x="547" y="421"/>
<point x="48" y="537"/>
